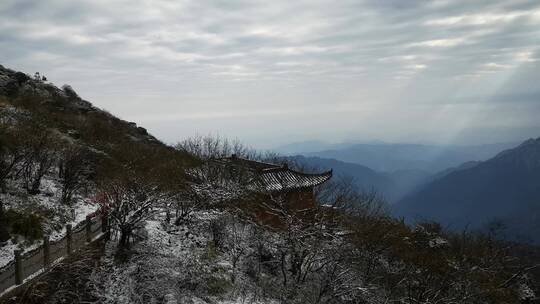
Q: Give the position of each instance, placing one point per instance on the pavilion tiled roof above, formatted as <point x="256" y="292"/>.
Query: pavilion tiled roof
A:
<point x="283" y="179"/>
<point x="275" y="178"/>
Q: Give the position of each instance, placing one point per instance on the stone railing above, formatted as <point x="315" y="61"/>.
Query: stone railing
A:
<point x="29" y="264"/>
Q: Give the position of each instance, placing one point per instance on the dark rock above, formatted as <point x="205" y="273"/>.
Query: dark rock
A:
<point x="11" y="88"/>
<point x="8" y="86"/>
<point x="21" y="77"/>
<point x="142" y="131"/>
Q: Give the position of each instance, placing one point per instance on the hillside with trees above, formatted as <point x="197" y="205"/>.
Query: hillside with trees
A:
<point x="57" y="151"/>
<point x="186" y="225"/>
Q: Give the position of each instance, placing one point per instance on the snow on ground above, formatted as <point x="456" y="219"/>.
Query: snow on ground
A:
<point x="178" y="241"/>
<point x="161" y="251"/>
<point x="437" y="242"/>
<point x="6" y="253"/>
<point x="58" y="215"/>
<point x="170" y="264"/>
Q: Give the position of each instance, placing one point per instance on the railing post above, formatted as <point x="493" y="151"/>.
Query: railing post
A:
<point x="88" y="226"/>
<point x="18" y="267"/>
<point x="46" y="252"/>
<point x="69" y="239"/>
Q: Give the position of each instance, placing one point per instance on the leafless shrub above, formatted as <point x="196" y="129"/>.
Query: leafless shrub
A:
<point x="185" y="203"/>
<point x="218" y="232"/>
<point x="342" y="194"/>
<point x="129" y="203"/>
<point x="11" y="152"/>
<point x="208" y="147"/>
<point x="214" y="147"/>
<point x="237" y="242"/>
<point x="73" y="169"/>
<point x="4" y="233"/>
<point x="40" y="156"/>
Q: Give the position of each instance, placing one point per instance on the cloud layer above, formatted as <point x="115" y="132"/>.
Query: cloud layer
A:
<point x="270" y="72"/>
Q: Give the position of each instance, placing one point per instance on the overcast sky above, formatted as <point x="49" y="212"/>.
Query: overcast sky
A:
<point x="272" y="72"/>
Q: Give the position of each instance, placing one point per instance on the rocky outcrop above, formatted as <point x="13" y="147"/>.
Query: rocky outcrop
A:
<point x="15" y="84"/>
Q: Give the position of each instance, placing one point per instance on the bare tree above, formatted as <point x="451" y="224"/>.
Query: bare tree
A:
<point x="73" y="169"/>
<point x="217" y="231"/>
<point x="4" y="233"/>
<point x="129" y="203"/>
<point x="39" y="159"/>
<point x="342" y="194"/>
<point x="11" y="154"/>
<point x="212" y="147"/>
<point x="300" y="237"/>
<point x="237" y="242"/>
<point x="185" y="203"/>
<point x="334" y="277"/>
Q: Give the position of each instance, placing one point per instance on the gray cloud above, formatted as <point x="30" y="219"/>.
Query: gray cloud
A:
<point x="272" y="71"/>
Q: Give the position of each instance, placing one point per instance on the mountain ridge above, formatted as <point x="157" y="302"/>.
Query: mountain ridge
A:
<point x="394" y="157"/>
<point x="504" y="187"/>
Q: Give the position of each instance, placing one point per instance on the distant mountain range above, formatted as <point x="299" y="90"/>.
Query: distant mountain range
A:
<point x="392" y="186"/>
<point x="486" y="187"/>
<point x="504" y="188"/>
<point x="364" y="177"/>
<point x="308" y="146"/>
<point x="385" y="157"/>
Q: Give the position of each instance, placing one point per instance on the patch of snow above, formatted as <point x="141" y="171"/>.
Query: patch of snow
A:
<point x="526" y="293"/>
<point x="7" y="253"/>
<point x="437" y="242"/>
<point x="47" y="199"/>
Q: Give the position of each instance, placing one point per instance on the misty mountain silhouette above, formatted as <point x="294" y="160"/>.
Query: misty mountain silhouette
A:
<point x="391" y="186"/>
<point x="390" y="157"/>
<point x="505" y="187"/>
